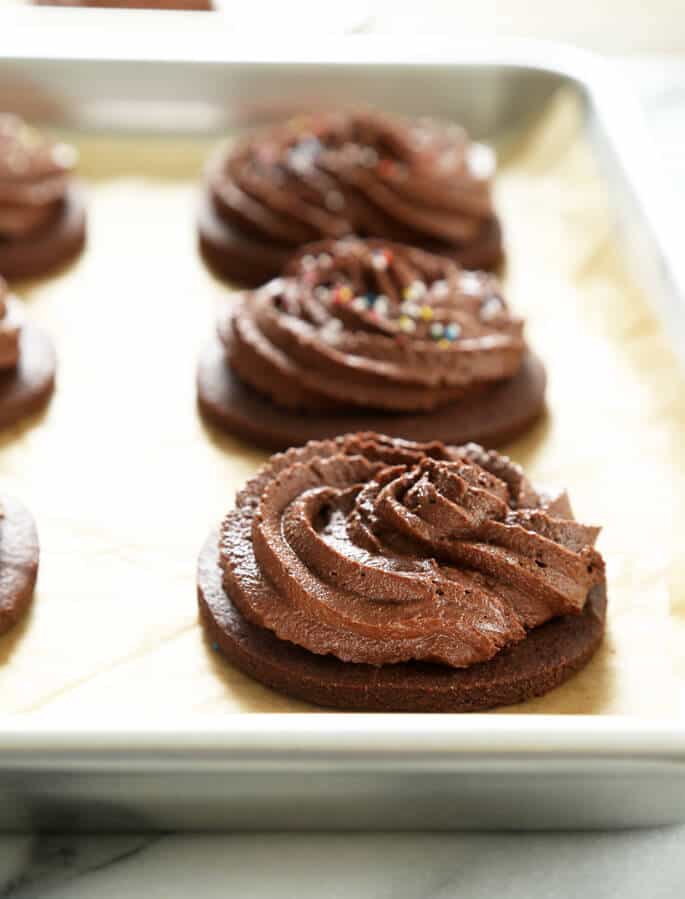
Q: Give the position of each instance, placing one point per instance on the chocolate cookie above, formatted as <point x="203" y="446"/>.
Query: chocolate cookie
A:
<point x="18" y="561"/>
<point x="27" y="363"/>
<point x="366" y="334"/>
<point x="492" y="418"/>
<point x="42" y="212"/>
<point x="418" y="182"/>
<point x="386" y="575"/>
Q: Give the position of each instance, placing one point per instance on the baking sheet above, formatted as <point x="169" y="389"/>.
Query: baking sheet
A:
<point x="125" y="481"/>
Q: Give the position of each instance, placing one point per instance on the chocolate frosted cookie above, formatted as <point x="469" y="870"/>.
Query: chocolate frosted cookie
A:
<point x="18" y="561"/>
<point x="42" y="214"/>
<point x="381" y="574"/>
<point x="361" y="334"/>
<point x="419" y="182"/>
<point x="27" y="362"/>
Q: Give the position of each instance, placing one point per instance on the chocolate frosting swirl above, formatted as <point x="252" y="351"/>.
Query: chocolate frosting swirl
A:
<point x="373" y="325"/>
<point x="420" y="182"/>
<point x="380" y="551"/>
<point x="11" y="323"/>
<point x="34" y="176"/>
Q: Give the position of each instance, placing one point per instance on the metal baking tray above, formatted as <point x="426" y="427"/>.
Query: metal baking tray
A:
<point x="121" y="72"/>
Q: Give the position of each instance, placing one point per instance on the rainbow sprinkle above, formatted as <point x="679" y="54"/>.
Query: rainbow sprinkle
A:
<point x="382" y="305"/>
<point x="444" y="334"/>
<point x="440" y="289"/>
<point x="415" y="291"/>
<point x="491" y="308"/>
<point x="381" y="259"/>
<point x="470" y="283"/>
<point x="413" y="310"/>
<point x="343" y="294"/>
<point x="407" y="324"/>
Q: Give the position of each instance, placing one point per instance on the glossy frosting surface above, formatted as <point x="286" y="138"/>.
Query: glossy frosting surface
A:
<point x="34" y="175"/>
<point x="419" y="181"/>
<point x="373" y="325"/>
<point x="381" y="551"/>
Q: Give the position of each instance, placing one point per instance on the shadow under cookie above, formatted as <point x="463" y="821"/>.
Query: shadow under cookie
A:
<point x="18" y="561"/>
<point x="492" y="417"/>
<point x="236" y="256"/>
<point x="27" y="388"/>
<point x="547" y="657"/>
<point x="50" y="247"/>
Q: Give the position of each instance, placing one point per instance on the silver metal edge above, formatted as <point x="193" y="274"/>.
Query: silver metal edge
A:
<point x="266" y="738"/>
<point x="52" y="35"/>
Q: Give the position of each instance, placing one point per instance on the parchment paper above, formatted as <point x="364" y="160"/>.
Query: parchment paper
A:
<point x="125" y="481"/>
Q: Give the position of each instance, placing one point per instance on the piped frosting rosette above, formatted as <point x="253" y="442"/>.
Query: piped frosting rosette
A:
<point x="11" y="323"/>
<point x="417" y="181"/>
<point x="34" y="176"/>
<point x="367" y="324"/>
<point x="382" y="551"/>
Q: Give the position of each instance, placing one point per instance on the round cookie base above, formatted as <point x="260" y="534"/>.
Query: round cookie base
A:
<point x="51" y="247"/>
<point x="548" y="656"/>
<point x="27" y="388"/>
<point x="493" y="417"/>
<point x="235" y="256"/>
<point x="18" y="561"/>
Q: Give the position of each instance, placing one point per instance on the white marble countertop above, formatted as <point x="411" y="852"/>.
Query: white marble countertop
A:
<point x="630" y="865"/>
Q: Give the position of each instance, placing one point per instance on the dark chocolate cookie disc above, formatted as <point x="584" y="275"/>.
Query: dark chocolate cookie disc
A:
<point x="18" y="561"/>
<point x="372" y="573"/>
<point x="493" y="417"/>
<point x="548" y="656"/>
<point x="26" y="388"/>
<point x="366" y="334"/>
<point x="50" y="247"/>
<point x="233" y="255"/>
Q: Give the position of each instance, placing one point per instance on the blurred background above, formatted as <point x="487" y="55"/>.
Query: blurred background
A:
<point x="610" y="26"/>
<point x="645" y="39"/>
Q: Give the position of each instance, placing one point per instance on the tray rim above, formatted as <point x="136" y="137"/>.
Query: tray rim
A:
<point x="263" y="739"/>
<point x="106" y="36"/>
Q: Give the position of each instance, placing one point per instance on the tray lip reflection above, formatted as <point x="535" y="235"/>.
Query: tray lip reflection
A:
<point x="103" y="36"/>
<point x="29" y="38"/>
<point x="265" y="739"/>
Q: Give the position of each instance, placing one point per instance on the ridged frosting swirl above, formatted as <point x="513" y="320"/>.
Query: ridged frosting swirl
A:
<point x="416" y="181"/>
<point x="34" y="176"/>
<point x="11" y="323"/>
<point x="381" y="551"/>
<point x="367" y="324"/>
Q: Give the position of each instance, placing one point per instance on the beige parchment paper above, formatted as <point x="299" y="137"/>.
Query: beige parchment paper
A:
<point x="125" y="481"/>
